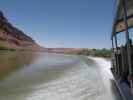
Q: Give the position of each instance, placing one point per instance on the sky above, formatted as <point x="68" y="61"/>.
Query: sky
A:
<point x="63" y="23"/>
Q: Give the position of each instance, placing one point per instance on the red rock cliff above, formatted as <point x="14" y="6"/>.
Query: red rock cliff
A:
<point x="12" y="37"/>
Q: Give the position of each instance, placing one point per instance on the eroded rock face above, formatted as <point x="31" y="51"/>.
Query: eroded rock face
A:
<point x="13" y="37"/>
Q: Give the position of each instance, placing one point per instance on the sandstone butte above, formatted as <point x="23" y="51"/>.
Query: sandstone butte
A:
<point x="12" y="37"/>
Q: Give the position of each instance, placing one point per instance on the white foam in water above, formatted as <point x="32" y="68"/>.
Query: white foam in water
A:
<point x="107" y="77"/>
<point x="104" y="64"/>
<point x="80" y="83"/>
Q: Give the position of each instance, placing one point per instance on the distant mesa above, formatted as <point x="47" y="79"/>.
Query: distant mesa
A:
<point x="12" y="37"/>
<point x="67" y="50"/>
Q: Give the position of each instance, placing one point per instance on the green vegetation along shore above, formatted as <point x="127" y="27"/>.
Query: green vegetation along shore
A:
<point x="96" y="52"/>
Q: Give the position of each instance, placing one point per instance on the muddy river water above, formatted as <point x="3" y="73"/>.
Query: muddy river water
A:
<point x="44" y="76"/>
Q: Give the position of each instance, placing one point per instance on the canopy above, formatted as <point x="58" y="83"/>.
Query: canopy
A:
<point x="119" y="25"/>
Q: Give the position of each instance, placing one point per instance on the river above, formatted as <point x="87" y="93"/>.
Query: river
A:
<point x="45" y="76"/>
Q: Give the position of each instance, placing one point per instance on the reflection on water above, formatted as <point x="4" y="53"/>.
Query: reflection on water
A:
<point x="42" y="76"/>
<point x="10" y="61"/>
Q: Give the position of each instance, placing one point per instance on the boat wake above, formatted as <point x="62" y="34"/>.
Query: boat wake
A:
<point x="78" y="81"/>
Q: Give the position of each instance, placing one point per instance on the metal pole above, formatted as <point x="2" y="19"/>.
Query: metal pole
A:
<point x="112" y="44"/>
<point x="113" y="56"/>
<point x="128" y="43"/>
<point x="116" y="56"/>
<point x="116" y="44"/>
